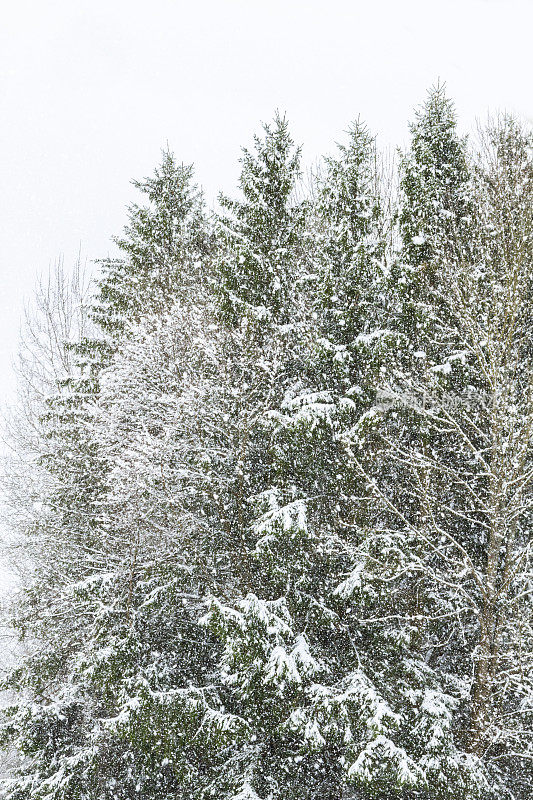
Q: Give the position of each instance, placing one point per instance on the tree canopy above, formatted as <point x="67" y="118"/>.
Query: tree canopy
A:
<point x="276" y="501"/>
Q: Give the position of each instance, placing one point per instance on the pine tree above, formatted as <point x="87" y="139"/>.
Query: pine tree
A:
<point x="435" y="216"/>
<point x="351" y="236"/>
<point x="262" y="231"/>
<point x="436" y="205"/>
<point x="164" y="248"/>
<point x="70" y="536"/>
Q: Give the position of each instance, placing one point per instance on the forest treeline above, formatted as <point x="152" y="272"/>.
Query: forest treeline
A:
<point x="271" y="478"/>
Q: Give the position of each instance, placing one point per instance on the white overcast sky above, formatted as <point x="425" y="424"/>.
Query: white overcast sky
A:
<point x="90" y="92"/>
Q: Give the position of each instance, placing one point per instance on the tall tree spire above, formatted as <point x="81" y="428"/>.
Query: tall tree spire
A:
<point x="434" y="182"/>
<point x="161" y="248"/>
<point x="261" y="231"/>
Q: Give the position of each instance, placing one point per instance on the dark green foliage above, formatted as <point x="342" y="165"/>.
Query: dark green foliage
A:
<point x="261" y="233"/>
<point x="165" y="246"/>
<point x="437" y="205"/>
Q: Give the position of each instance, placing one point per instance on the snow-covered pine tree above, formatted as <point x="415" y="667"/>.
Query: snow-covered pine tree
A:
<point x="164" y="251"/>
<point x="349" y="236"/>
<point x="348" y="342"/>
<point x="74" y="606"/>
<point x="262" y="232"/>
<point x="436" y="208"/>
<point x="261" y="270"/>
<point x="165" y="246"/>
<point x="435" y="219"/>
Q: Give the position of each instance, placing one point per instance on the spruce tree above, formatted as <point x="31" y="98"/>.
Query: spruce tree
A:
<point x="83" y="558"/>
<point x="350" y="234"/>
<point x="435" y="203"/>
<point x="163" y="252"/>
<point x="261" y="232"/>
<point x="166" y="248"/>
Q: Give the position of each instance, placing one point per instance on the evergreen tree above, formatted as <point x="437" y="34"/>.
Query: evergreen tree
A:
<point x="435" y="217"/>
<point x="351" y="237"/>
<point x="436" y="207"/>
<point x="164" y="248"/>
<point x="262" y="232"/>
<point x="75" y="548"/>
